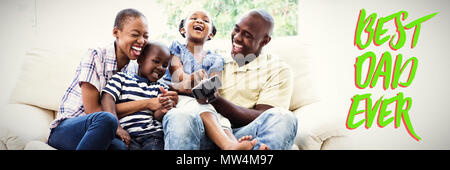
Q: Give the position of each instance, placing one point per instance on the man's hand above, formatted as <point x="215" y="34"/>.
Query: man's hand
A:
<point x="202" y="101"/>
<point x="123" y="134"/>
<point x="206" y="100"/>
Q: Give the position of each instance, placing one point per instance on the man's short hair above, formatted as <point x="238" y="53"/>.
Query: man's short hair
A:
<point x="124" y="15"/>
<point x="266" y="17"/>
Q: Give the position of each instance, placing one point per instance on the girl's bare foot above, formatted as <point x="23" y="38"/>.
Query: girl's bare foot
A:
<point x="248" y="137"/>
<point x="243" y="143"/>
<point x="264" y="147"/>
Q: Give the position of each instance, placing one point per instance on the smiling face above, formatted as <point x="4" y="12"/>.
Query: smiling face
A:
<point x="250" y="35"/>
<point x="154" y="61"/>
<point x="131" y="38"/>
<point x="198" y="27"/>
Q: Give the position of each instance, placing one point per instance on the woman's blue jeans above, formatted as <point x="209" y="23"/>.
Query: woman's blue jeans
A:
<point x="94" y="131"/>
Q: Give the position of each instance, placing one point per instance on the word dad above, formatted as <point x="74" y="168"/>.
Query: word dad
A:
<point x="390" y="73"/>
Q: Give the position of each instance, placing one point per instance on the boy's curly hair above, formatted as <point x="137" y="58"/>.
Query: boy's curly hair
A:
<point x="214" y="30"/>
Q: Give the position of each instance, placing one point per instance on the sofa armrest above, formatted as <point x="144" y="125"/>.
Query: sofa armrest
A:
<point x="26" y="122"/>
<point x="9" y="141"/>
<point x="38" y="145"/>
<point x="318" y="122"/>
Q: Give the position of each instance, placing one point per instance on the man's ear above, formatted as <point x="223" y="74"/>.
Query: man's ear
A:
<point x="266" y="40"/>
<point x="116" y="32"/>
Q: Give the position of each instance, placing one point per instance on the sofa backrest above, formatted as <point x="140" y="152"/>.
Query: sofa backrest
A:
<point x="45" y="76"/>
<point x="296" y="53"/>
<point x="46" y="73"/>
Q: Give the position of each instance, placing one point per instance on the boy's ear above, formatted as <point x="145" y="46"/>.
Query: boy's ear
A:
<point x="140" y="59"/>
<point x="116" y="32"/>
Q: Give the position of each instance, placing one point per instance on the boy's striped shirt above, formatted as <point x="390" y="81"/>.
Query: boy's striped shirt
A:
<point x="131" y="87"/>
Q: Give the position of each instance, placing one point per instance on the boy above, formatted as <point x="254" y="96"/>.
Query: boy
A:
<point x="144" y="126"/>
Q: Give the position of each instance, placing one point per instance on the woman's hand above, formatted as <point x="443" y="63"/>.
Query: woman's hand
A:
<point x="123" y="135"/>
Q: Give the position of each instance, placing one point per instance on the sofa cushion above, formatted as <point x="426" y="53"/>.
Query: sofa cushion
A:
<point x="44" y="77"/>
<point x="10" y="141"/>
<point x="38" y="145"/>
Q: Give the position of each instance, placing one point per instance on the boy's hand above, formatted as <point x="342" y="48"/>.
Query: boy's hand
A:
<point x="153" y="104"/>
<point x="159" y="114"/>
<point x="123" y="134"/>
<point x="166" y="104"/>
<point x="172" y="95"/>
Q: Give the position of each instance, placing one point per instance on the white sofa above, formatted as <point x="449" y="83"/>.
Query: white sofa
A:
<point x="46" y="73"/>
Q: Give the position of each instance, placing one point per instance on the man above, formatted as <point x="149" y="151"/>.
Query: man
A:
<point x="255" y="94"/>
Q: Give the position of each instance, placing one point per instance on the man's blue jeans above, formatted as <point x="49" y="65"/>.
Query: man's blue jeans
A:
<point x="184" y="130"/>
<point x="94" y="131"/>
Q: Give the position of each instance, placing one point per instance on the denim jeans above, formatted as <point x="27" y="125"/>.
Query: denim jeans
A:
<point x="184" y="130"/>
<point x="94" y="131"/>
<point x="154" y="141"/>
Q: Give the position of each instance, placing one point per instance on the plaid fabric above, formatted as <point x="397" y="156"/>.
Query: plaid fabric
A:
<point x="96" y="68"/>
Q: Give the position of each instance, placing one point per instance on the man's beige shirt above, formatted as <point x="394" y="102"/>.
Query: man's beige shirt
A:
<point x="265" y="80"/>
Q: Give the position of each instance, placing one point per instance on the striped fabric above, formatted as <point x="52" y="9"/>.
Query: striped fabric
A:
<point x="131" y="87"/>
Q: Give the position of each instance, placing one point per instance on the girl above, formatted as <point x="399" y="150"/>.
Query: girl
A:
<point x="190" y="64"/>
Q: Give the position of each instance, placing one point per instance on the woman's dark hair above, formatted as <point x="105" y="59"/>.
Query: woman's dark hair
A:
<point x="184" y="36"/>
<point x="125" y="14"/>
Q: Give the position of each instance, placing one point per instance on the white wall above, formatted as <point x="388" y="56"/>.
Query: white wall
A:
<point x="17" y="32"/>
<point x="330" y="26"/>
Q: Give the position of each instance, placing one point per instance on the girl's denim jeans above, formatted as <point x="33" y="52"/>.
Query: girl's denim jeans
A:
<point x="184" y="130"/>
